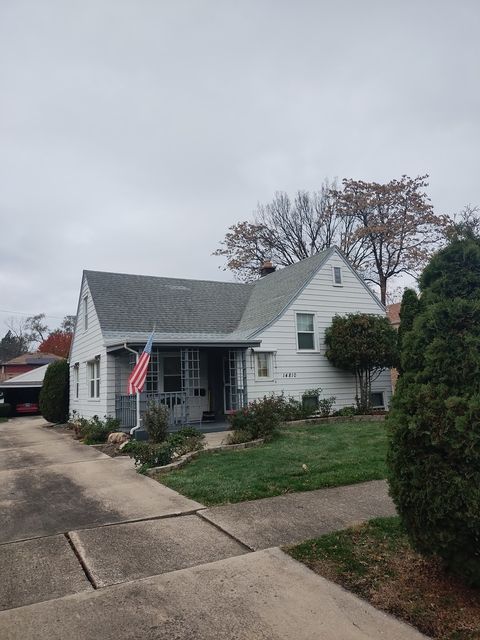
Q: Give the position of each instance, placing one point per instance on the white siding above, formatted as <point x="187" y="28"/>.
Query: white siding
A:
<point x="87" y="344"/>
<point x="296" y="371"/>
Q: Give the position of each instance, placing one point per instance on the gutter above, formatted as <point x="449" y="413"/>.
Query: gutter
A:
<point x="245" y="344"/>
<point x="133" y="429"/>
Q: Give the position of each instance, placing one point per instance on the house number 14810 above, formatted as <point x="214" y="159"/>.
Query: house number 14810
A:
<point x="289" y="375"/>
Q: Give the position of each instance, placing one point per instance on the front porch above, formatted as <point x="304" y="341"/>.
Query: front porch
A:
<point x="200" y="386"/>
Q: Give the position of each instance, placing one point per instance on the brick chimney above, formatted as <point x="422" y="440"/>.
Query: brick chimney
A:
<point x="266" y="268"/>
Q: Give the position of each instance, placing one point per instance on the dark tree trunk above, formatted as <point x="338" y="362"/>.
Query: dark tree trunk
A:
<point x="383" y="290"/>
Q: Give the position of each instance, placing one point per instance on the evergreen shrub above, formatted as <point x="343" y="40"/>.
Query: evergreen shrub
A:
<point x="54" y="392"/>
<point x="434" y="456"/>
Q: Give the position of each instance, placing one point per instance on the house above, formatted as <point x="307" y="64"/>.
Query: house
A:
<point x="22" y="391"/>
<point x="24" y="363"/>
<point x="217" y="345"/>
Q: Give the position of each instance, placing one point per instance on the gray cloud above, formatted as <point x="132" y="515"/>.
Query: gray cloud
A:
<point x="134" y="133"/>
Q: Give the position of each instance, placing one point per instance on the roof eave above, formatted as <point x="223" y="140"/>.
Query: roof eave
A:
<point x="20" y="385"/>
<point x="117" y="346"/>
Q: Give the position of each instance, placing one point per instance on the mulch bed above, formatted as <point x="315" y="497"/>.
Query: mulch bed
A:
<point x="376" y="562"/>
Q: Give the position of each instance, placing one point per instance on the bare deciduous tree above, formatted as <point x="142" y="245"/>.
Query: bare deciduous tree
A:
<point x="286" y="231"/>
<point x="464" y="224"/>
<point x="385" y="230"/>
<point x="33" y="330"/>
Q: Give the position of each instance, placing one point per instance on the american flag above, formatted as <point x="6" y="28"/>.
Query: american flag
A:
<point x="136" y="380"/>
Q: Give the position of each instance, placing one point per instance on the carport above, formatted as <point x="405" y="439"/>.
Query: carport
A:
<point x="25" y="388"/>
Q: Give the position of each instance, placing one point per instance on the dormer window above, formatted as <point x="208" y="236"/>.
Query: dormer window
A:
<point x="337" y="276"/>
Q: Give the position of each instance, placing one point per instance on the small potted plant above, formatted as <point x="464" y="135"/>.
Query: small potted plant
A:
<point x="310" y="399"/>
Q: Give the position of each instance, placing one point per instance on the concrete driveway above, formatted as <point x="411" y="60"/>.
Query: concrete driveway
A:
<point x="90" y="549"/>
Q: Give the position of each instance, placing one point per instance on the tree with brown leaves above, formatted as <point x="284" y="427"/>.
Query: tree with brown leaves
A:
<point x="397" y="222"/>
<point x="385" y="230"/>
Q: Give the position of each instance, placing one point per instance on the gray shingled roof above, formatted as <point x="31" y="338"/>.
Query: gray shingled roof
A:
<point x="128" y="306"/>
<point x="273" y="293"/>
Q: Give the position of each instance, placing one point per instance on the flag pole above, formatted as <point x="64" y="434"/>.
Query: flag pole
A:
<point x="138" y="405"/>
<point x="136" y="380"/>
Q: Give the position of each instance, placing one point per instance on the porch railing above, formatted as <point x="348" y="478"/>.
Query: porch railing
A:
<point x="176" y="401"/>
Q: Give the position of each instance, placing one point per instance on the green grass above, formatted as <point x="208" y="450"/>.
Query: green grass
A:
<point x="350" y="551"/>
<point x="334" y="454"/>
<point x="3" y="419"/>
<point x="376" y="561"/>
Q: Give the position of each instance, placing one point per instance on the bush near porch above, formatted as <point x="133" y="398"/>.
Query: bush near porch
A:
<point x="296" y="459"/>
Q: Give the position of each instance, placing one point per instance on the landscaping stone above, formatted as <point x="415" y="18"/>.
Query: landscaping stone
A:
<point x="183" y="460"/>
<point x="118" y="437"/>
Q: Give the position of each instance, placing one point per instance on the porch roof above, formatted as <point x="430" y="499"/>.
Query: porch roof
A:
<point x="116" y="340"/>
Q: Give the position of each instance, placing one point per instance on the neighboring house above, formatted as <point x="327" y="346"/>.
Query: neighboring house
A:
<point x="22" y="391"/>
<point x="24" y="363"/>
<point x="218" y="345"/>
<point x="393" y="313"/>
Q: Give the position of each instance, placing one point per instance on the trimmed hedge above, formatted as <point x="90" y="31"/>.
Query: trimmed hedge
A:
<point x="54" y="392"/>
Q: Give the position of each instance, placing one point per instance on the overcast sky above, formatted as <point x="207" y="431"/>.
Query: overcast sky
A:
<point x="134" y="133"/>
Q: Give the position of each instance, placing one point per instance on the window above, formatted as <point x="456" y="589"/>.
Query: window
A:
<point x="85" y="313"/>
<point x="152" y="373"/>
<point x="337" y="276"/>
<point x="172" y="373"/>
<point x="263" y="370"/>
<point x="306" y="331"/>
<point x="376" y="399"/>
<point x="75" y="379"/>
<point x="94" y="378"/>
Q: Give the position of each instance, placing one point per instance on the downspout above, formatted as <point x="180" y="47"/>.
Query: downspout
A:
<point x="133" y="429"/>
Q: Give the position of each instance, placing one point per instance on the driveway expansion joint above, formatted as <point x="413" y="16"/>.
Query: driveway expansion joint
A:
<point x="225" y="531"/>
<point x="85" y="569"/>
<point x="86" y="527"/>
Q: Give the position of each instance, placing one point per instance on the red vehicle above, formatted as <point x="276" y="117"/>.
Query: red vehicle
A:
<point x="27" y="407"/>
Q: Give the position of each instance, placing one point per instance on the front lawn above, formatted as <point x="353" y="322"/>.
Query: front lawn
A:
<point x="298" y="459"/>
<point x="375" y="561"/>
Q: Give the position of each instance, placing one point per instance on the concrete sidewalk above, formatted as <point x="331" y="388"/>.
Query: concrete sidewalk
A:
<point x="264" y="595"/>
<point x="91" y="549"/>
<point x="296" y="517"/>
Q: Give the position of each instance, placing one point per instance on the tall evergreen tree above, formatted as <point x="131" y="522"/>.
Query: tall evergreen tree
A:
<point x="11" y="346"/>
<point x="408" y="311"/>
<point x="434" y="458"/>
<point x="54" y="392"/>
